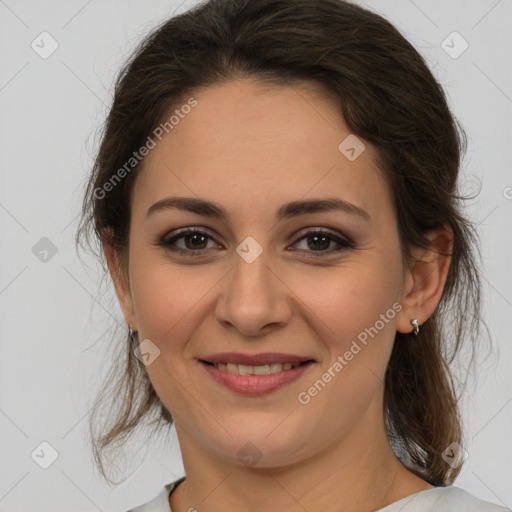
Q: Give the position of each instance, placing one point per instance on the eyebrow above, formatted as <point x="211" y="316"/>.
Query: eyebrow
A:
<point x="288" y="210"/>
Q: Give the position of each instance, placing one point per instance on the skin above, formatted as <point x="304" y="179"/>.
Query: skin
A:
<point x="251" y="149"/>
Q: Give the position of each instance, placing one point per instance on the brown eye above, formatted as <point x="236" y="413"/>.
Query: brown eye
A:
<point x="194" y="242"/>
<point x="320" y="240"/>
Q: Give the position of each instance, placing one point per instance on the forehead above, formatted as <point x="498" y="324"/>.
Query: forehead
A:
<point x="246" y="146"/>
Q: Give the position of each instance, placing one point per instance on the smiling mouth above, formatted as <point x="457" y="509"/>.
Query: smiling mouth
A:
<point x="265" y="369"/>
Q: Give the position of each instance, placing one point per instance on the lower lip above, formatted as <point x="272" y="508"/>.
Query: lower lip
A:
<point x="256" y="384"/>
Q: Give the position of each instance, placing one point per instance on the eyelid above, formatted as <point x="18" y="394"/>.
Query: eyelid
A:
<point x="187" y="230"/>
<point x="300" y="233"/>
<point x="344" y="242"/>
<point x="176" y="235"/>
<point x="324" y="231"/>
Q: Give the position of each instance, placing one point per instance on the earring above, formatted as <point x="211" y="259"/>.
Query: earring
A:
<point x="416" y="329"/>
<point x="133" y="339"/>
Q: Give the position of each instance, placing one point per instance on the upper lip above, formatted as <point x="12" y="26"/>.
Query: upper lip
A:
<point x="255" y="359"/>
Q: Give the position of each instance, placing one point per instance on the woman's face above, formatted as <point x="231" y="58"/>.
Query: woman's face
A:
<point x="254" y="282"/>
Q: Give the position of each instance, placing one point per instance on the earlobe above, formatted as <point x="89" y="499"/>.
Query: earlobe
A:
<point x="121" y="285"/>
<point x="425" y="280"/>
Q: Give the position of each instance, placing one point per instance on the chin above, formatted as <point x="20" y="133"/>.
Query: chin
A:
<point x="262" y="447"/>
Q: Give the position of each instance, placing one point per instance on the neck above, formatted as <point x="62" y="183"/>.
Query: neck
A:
<point x="359" y="472"/>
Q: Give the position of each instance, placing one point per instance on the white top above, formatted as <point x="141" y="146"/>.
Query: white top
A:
<point x="438" y="499"/>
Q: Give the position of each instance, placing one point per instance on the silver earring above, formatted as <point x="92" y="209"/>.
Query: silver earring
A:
<point x="416" y="329"/>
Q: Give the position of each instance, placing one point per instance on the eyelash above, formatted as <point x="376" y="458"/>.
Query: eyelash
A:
<point x="167" y="242"/>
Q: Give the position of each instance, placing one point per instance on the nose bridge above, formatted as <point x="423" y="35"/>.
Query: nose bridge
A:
<point x="253" y="296"/>
<point x="251" y="268"/>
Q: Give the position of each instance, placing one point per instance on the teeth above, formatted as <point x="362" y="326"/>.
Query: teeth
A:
<point x="244" y="369"/>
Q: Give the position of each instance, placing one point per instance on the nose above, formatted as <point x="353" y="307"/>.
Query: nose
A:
<point x="253" y="298"/>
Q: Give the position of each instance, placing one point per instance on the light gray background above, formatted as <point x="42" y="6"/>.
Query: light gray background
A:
<point x="50" y="312"/>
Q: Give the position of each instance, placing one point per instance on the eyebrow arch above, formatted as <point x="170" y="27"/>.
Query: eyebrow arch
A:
<point x="288" y="210"/>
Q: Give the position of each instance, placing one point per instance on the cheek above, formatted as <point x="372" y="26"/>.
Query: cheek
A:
<point x="346" y="301"/>
<point x="169" y="304"/>
<point x="355" y="310"/>
<point x="167" y="297"/>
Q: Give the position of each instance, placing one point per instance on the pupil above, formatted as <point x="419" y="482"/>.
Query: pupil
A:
<point x="325" y="245"/>
<point x="193" y="237"/>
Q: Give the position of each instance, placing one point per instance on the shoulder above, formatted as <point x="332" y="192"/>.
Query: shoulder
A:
<point x="443" y="499"/>
<point x="454" y="498"/>
<point x="160" y="503"/>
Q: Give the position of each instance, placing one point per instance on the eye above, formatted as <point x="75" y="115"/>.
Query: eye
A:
<point x="195" y="242"/>
<point x="321" y="239"/>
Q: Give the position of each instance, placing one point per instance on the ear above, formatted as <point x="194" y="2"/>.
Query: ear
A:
<point x="120" y="280"/>
<point x="425" y="280"/>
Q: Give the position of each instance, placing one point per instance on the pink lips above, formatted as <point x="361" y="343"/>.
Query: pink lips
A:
<point x="255" y="384"/>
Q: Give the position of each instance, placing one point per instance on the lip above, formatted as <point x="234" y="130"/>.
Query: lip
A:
<point x="255" y="359"/>
<point x="256" y="385"/>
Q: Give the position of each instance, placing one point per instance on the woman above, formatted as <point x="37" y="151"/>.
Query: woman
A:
<point x="275" y="197"/>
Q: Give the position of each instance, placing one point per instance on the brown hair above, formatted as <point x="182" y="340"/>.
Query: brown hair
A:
<point x="387" y="96"/>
